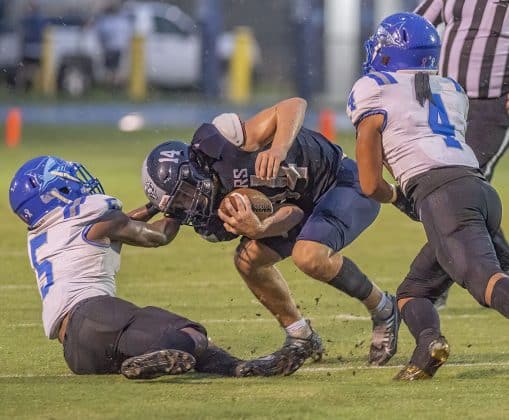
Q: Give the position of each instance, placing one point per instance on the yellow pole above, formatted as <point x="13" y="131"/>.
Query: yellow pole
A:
<point x="48" y="83"/>
<point x="241" y="66"/>
<point x="137" y="78"/>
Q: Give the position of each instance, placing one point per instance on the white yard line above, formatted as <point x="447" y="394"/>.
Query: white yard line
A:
<point x="339" y="317"/>
<point x="364" y="367"/>
<point x="304" y="369"/>
<point x="6" y="253"/>
<point x="17" y="286"/>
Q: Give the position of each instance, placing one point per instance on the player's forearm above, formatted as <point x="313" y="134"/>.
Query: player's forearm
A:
<point x="280" y="222"/>
<point x="369" y="154"/>
<point x="168" y="228"/>
<point x="150" y="235"/>
<point x="289" y="119"/>
<point x="383" y="192"/>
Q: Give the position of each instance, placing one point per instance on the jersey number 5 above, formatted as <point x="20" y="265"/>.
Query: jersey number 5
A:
<point x="46" y="268"/>
<point x="439" y="122"/>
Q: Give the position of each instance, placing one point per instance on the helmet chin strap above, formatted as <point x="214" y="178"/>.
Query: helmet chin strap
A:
<point x="50" y="195"/>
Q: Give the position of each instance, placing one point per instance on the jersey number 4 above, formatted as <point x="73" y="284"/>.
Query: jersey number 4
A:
<point x="44" y="269"/>
<point x="439" y="122"/>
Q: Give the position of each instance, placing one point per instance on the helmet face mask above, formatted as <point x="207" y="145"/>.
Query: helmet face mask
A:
<point x="177" y="186"/>
<point x="192" y="200"/>
<point x="403" y="41"/>
<point x="47" y="182"/>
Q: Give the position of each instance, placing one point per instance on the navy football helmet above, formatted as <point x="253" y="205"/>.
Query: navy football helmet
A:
<point x="403" y="41"/>
<point x="177" y="186"/>
<point x="47" y="182"/>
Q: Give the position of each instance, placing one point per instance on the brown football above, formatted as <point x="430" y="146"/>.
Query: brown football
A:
<point x="260" y="203"/>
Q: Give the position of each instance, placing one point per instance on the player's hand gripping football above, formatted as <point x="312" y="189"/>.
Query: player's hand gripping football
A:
<point x="268" y="162"/>
<point x="241" y="219"/>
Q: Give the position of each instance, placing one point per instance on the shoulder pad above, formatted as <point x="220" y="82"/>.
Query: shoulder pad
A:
<point x="91" y="207"/>
<point x="208" y="140"/>
<point x="364" y="99"/>
<point x="457" y="86"/>
<point x="231" y="127"/>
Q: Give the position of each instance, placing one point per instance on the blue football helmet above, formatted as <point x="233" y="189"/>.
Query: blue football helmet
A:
<point x="403" y="41"/>
<point x="176" y="185"/>
<point x="47" y="182"/>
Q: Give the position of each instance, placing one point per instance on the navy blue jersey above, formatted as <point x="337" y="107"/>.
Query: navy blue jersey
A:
<point x="310" y="169"/>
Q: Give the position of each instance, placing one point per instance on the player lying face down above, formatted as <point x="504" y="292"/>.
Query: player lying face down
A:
<point x="414" y="121"/>
<point x="319" y="209"/>
<point x="75" y="237"/>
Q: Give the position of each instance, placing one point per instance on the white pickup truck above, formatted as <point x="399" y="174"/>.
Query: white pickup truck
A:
<point x="172" y="49"/>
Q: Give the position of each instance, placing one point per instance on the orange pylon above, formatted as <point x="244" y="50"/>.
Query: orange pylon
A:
<point x="327" y="124"/>
<point x="13" y="127"/>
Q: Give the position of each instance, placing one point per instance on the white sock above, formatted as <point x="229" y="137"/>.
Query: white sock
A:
<point x="299" y="329"/>
<point x="384" y="308"/>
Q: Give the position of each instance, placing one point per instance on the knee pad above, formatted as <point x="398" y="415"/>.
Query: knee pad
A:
<point x="176" y="339"/>
<point x="200" y="340"/>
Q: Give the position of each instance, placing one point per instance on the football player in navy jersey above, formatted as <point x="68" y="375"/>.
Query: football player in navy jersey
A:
<point x="75" y="237"/>
<point x="320" y="209"/>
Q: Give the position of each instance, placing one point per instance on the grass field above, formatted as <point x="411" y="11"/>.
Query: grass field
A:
<point x="198" y="280"/>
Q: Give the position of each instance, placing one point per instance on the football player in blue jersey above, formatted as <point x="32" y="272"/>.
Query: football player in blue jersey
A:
<point x="320" y="209"/>
<point x="413" y="121"/>
<point x="75" y="237"/>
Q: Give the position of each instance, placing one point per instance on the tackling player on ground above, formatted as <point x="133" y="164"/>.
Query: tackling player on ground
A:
<point x="413" y="122"/>
<point x="74" y="240"/>
<point x="319" y="211"/>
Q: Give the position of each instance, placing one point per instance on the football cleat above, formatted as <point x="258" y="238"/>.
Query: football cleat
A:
<point x="157" y="363"/>
<point x="312" y="345"/>
<point x="282" y="362"/>
<point x="438" y="354"/>
<point x="384" y="341"/>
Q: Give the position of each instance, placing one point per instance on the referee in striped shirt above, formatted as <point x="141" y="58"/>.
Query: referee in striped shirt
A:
<point x="475" y="52"/>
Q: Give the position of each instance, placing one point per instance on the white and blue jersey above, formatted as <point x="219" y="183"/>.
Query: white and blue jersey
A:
<point x="415" y="138"/>
<point x="68" y="267"/>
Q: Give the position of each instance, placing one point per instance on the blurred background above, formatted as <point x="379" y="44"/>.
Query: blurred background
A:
<point x="139" y="64"/>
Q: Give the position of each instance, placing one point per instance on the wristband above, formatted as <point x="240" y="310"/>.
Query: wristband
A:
<point x="151" y="209"/>
<point x="394" y="195"/>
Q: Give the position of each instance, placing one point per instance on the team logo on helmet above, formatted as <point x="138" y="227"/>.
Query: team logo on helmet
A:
<point x="150" y="191"/>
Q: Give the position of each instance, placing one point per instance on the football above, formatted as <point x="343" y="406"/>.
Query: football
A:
<point x="260" y="203"/>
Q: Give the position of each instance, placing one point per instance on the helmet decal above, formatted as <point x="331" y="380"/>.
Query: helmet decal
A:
<point x="43" y="172"/>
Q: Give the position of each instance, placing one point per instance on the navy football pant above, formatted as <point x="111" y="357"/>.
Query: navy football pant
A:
<point x="103" y="331"/>
<point x="460" y="219"/>
<point x="488" y="136"/>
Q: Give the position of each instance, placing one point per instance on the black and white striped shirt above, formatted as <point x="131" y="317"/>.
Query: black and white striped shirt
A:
<point x="475" y="43"/>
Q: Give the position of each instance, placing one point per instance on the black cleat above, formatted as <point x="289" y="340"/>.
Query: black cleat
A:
<point x="384" y="341"/>
<point x="157" y="363"/>
<point x="438" y="353"/>
<point x="312" y="346"/>
<point x="282" y="362"/>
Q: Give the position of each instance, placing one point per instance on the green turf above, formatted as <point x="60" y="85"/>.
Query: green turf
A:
<point x="197" y="279"/>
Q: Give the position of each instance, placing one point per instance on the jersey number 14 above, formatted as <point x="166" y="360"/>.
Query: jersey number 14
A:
<point x="439" y="122"/>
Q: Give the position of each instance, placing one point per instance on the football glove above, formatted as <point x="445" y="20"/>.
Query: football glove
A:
<point x="403" y="204"/>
